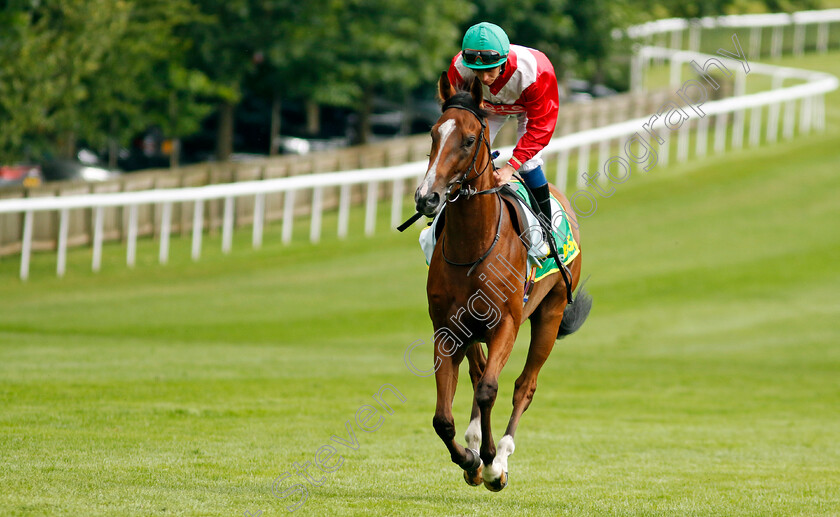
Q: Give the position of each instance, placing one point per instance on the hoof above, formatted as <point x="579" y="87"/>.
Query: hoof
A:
<point x="498" y="484"/>
<point x="473" y="478"/>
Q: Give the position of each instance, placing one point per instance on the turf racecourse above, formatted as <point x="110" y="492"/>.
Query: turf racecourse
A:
<point x="706" y="381"/>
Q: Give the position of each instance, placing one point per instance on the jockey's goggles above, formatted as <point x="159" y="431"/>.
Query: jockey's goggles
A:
<point x="481" y="57"/>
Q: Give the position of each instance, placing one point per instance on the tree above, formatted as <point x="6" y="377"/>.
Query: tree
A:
<point x="391" y="46"/>
<point x="591" y="40"/>
<point x="48" y="54"/>
<point x="294" y="60"/>
<point x="143" y="80"/>
<point x="96" y="70"/>
<point x="223" y="49"/>
<point x="342" y="52"/>
<point x="24" y="88"/>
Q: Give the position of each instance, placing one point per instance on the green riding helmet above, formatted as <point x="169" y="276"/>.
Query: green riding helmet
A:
<point x="485" y="45"/>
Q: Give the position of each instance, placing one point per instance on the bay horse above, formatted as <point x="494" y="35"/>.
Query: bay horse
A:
<point x="478" y="227"/>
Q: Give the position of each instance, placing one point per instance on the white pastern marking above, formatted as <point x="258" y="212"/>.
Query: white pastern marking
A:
<point x="444" y="130"/>
<point x="504" y="449"/>
<point x="473" y="434"/>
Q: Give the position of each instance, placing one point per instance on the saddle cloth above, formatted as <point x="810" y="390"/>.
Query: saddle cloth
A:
<point x="532" y="236"/>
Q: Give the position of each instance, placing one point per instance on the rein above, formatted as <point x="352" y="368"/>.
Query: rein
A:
<point x="474" y="264"/>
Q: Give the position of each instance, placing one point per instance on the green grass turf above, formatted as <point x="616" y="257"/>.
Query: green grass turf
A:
<point x="706" y="381"/>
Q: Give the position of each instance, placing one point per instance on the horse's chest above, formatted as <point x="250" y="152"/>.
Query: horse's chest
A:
<point x="474" y="309"/>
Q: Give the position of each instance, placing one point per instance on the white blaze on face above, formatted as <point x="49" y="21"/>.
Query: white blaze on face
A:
<point x="444" y="130"/>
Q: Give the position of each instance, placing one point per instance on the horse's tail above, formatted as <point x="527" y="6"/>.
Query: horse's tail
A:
<point x="575" y="313"/>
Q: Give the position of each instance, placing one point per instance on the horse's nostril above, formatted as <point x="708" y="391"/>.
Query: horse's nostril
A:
<point x="428" y="203"/>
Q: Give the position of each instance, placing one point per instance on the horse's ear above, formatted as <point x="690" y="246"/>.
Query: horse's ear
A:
<point x="445" y="89"/>
<point x="477" y="92"/>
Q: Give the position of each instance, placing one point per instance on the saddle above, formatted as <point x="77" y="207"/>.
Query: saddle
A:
<point x="524" y="220"/>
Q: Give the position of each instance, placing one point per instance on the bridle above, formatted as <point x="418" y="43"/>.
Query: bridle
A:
<point x="467" y="191"/>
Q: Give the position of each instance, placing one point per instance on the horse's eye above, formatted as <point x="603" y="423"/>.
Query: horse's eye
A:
<point x="470" y="140"/>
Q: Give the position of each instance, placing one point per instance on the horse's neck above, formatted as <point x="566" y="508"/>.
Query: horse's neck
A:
<point x="471" y="224"/>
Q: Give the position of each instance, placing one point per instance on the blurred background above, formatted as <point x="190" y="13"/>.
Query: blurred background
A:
<point x="92" y="86"/>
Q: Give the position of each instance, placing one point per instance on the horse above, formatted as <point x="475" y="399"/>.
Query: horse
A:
<point x="478" y="224"/>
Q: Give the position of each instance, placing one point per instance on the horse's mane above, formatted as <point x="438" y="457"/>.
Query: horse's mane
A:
<point x="465" y="100"/>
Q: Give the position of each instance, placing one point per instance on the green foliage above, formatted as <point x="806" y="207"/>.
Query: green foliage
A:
<point x="143" y="80"/>
<point x="22" y="86"/>
<point x="295" y="55"/>
<point x="335" y="50"/>
<point x="93" y="70"/>
<point x="49" y="54"/>
<point x="398" y="43"/>
<point x="342" y="52"/>
<point x="654" y="9"/>
<point x="680" y="9"/>
<point x="221" y="44"/>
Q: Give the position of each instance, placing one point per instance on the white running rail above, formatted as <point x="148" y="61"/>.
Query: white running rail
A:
<point x="676" y="27"/>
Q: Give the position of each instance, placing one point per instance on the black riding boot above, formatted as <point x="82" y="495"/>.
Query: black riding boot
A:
<point x="542" y="196"/>
<point x="544" y="201"/>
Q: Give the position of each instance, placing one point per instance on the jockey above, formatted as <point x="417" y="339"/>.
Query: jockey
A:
<point x="519" y="82"/>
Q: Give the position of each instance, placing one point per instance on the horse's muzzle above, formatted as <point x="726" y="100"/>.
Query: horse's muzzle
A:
<point x="427" y="205"/>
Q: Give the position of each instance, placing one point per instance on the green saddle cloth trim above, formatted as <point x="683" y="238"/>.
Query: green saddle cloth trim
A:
<point x="564" y="239"/>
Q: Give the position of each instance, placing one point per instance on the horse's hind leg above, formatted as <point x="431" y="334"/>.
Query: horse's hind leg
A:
<point x="544" y="324"/>
<point x="477" y="362"/>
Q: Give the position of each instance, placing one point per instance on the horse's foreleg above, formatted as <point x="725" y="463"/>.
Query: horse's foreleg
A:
<point x="499" y="348"/>
<point x="477" y="361"/>
<point x="446" y="380"/>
